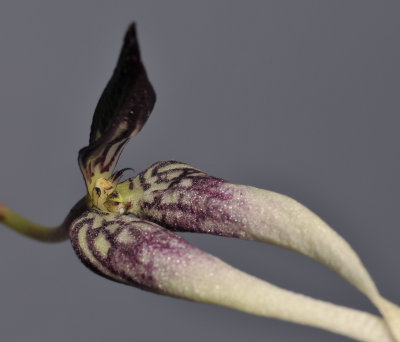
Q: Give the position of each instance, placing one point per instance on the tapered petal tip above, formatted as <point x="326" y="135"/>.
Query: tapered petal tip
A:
<point x="131" y="42"/>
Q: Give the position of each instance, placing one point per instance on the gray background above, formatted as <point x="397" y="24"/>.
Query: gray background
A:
<point x="299" y="97"/>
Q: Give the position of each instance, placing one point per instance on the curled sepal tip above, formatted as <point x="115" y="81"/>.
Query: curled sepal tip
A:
<point x="145" y="255"/>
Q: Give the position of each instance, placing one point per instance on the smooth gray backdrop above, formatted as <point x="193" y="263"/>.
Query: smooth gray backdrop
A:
<point x="299" y="97"/>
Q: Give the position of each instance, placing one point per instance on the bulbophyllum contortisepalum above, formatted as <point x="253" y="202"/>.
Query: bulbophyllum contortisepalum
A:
<point x="172" y="196"/>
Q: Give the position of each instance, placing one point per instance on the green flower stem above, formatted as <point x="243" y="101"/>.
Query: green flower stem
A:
<point x="39" y="232"/>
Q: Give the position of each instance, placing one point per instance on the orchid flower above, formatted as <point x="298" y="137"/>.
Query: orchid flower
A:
<point x="124" y="231"/>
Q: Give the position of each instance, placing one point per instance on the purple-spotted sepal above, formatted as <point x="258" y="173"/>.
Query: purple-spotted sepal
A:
<point x="145" y="255"/>
<point x="130" y="250"/>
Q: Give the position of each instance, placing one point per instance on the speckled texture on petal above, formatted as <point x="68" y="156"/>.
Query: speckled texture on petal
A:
<point x="183" y="198"/>
<point x="127" y="249"/>
<point x="142" y="254"/>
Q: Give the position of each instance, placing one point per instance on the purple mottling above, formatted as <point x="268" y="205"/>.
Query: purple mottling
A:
<point x="76" y="226"/>
<point x="139" y="260"/>
<point x="207" y="205"/>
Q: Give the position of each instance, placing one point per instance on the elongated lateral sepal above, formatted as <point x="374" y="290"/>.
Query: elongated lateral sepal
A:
<point x="145" y="255"/>
<point x="182" y="198"/>
<point x="121" y="112"/>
